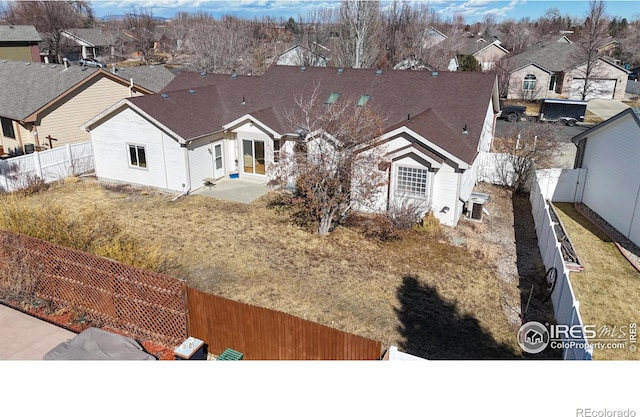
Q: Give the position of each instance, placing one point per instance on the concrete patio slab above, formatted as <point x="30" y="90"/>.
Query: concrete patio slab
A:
<point x="239" y="190"/>
<point x="27" y="338"/>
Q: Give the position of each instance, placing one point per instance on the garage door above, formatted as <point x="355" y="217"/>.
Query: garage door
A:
<point x="598" y="88"/>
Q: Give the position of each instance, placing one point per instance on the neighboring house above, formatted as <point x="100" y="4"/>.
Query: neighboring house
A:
<point x="486" y="53"/>
<point x="609" y="152"/>
<point x="208" y="126"/>
<point x="38" y="101"/>
<point x="553" y="70"/>
<point x="299" y="55"/>
<point x="19" y="43"/>
<point x="432" y="37"/>
<point x="89" y="43"/>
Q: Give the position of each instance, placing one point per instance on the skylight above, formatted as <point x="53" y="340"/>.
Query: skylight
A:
<point x="333" y="97"/>
<point x="363" y="100"/>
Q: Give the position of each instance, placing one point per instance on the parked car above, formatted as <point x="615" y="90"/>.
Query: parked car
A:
<point x="91" y="62"/>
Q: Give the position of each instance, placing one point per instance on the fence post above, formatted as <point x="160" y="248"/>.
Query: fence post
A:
<point x="70" y="158"/>
<point x="36" y="162"/>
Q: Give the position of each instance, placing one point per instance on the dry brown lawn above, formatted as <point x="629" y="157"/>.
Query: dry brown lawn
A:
<point x="429" y="297"/>
<point x="608" y="287"/>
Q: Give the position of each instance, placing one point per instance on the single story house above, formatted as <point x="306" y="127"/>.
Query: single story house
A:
<point x="19" y="43"/>
<point x="486" y="53"/>
<point x="43" y="105"/>
<point x="207" y="126"/>
<point x="609" y="152"/>
<point x="299" y="55"/>
<point x="554" y="70"/>
<point x="89" y="43"/>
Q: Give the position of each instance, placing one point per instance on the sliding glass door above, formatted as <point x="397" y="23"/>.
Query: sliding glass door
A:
<point x="253" y="156"/>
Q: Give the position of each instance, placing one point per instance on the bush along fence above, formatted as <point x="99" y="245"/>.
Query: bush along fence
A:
<point x="143" y="304"/>
<point x="566" y="307"/>
<point x="48" y="166"/>
<point x="151" y="306"/>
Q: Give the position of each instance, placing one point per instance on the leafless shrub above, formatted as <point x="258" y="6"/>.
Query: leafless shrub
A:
<point x="406" y="213"/>
<point x="31" y="184"/>
<point x="19" y="276"/>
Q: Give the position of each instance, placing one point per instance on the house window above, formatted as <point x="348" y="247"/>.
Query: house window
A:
<point x="7" y="128"/>
<point x="363" y="100"/>
<point x="333" y="97"/>
<point x="529" y="83"/>
<point x="412" y="181"/>
<point x="277" y="145"/>
<point x="137" y="156"/>
<point x="218" y="157"/>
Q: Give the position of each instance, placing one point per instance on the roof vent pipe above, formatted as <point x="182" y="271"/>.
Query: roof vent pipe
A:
<point x="464" y="130"/>
<point x="65" y="61"/>
<point x="243" y="100"/>
<point x="409" y="116"/>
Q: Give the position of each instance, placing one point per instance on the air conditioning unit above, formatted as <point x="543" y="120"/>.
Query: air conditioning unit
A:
<point x="475" y="205"/>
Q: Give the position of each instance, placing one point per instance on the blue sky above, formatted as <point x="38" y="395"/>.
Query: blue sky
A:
<point x="473" y="10"/>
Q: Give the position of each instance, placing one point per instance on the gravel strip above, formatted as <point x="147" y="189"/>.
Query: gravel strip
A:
<point x="629" y="249"/>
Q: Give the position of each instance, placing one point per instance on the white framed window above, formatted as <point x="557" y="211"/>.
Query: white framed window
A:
<point x="137" y="156"/>
<point x="412" y="181"/>
<point x="529" y="82"/>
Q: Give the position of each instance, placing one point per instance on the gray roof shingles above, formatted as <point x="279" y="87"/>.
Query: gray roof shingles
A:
<point x="554" y="56"/>
<point x="151" y="77"/>
<point x="93" y="36"/>
<point x="15" y="33"/>
<point x="454" y="100"/>
<point x="28" y="87"/>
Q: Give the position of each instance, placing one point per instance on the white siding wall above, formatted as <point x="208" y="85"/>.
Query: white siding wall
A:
<point x="166" y="161"/>
<point x="613" y="175"/>
<point x="445" y="194"/>
<point x="200" y="162"/>
<point x="64" y="122"/>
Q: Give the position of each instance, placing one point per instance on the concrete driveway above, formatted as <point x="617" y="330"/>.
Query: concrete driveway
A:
<point x="26" y="337"/>
<point x="605" y="108"/>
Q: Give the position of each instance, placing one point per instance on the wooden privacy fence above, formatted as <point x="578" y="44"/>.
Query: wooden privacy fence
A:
<point x="264" y="334"/>
<point x="144" y="304"/>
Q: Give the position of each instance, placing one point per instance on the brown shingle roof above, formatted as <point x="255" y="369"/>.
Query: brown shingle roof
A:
<point x="440" y="106"/>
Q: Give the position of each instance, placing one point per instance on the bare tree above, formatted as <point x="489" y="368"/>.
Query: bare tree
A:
<point x="140" y="27"/>
<point x="594" y="36"/>
<point x="331" y="165"/>
<point x="217" y="45"/>
<point x="359" y="24"/>
<point x="525" y="147"/>
<point x="49" y="18"/>
<point x="405" y="33"/>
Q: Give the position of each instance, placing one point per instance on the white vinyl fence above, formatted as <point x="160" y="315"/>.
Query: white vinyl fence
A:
<point x="565" y="306"/>
<point x="50" y="165"/>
